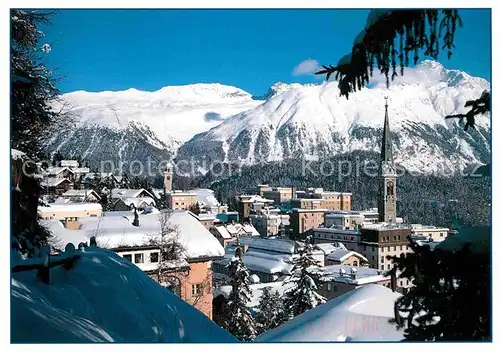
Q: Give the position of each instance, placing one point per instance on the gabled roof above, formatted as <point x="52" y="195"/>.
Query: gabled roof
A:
<point x="57" y="170"/>
<point x="80" y="193"/>
<point x="54" y="181"/>
<point x="136" y="202"/>
<point x="123" y="193"/>
<point x="342" y="254"/>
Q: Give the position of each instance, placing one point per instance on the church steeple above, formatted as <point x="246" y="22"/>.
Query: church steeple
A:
<point x="386" y="153"/>
<point x="387" y="183"/>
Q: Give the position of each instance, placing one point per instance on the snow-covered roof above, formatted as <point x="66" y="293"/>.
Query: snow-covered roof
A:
<point x="354" y="275"/>
<point x="428" y="227"/>
<point x="254" y="199"/>
<point x="69" y="163"/>
<point x="54" y="170"/>
<point x="80" y="170"/>
<point x="80" y="193"/>
<point x="270" y="244"/>
<point x="240" y="230"/>
<point x="222" y="231"/>
<point x="342" y="254"/>
<point x="124" y="193"/>
<point x="262" y="261"/>
<point x="54" y="181"/>
<point x="118" y="231"/>
<point x="205" y="196"/>
<point x="103" y="298"/>
<point x="61" y="207"/>
<point x="328" y="248"/>
<point x="136" y="202"/>
<point x="343" y="318"/>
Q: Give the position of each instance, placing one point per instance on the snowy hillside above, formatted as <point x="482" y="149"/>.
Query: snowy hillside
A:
<point x="133" y="124"/>
<point x="314" y="121"/>
<point x="208" y="122"/>
<point x="103" y="298"/>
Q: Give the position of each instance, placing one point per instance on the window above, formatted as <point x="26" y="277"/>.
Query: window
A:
<point x="138" y="258"/>
<point x="373" y="249"/>
<point x="382" y="259"/>
<point x="441" y="234"/>
<point x="335" y="288"/>
<point x="373" y="257"/>
<point x="364" y="248"/>
<point x="153" y="257"/>
<point x="329" y="286"/>
<point x="388" y="266"/>
<point x="127" y="256"/>
<point x="93" y="215"/>
<point x="401" y="247"/>
<point x="382" y="267"/>
<point x="196" y="290"/>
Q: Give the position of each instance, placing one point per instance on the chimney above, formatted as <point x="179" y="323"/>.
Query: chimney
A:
<point x="136" y="219"/>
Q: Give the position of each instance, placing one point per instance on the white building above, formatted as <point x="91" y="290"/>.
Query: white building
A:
<point x="431" y="232"/>
<point x="269" y="222"/>
<point x="343" y="219"/>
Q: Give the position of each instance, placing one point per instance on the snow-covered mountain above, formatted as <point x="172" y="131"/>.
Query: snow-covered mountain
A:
<point x="131" y="125"/>
<point x="314" y="121"/>
<point x="202" y="123"/>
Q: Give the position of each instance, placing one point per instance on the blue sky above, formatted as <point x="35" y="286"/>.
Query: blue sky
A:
<point x="97" y="50"/>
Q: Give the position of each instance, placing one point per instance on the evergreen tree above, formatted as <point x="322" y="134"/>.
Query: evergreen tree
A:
<point x="271" y="311"/>
<point x="195" y="208"/>
<point x="450" y="299"/>
<point x="303" y="295"/>
<point x="236" y="317"/>
<point x="56" y="158"/>
<point x="32" y="86"/>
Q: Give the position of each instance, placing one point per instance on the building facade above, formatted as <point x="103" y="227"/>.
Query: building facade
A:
<point x="278" y="195"/>
<point x="302" y="220"/>
<point x="179" y="200"/>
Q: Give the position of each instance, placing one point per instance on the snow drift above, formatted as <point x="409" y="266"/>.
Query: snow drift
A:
<point x="103" y="298"/>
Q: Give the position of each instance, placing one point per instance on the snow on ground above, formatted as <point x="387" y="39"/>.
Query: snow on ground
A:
<point x="103" y="298"/>
<point x="16" y="154"/>
<point x="359" y="315"/>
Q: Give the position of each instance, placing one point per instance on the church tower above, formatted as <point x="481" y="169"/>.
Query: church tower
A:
<point x="167" y="178"/>
<point x="387" y="176"/>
